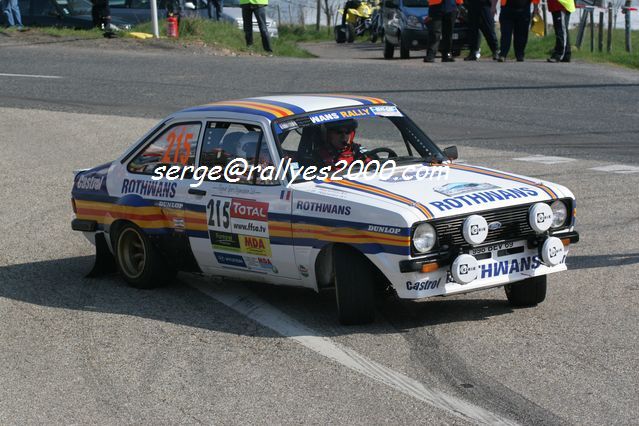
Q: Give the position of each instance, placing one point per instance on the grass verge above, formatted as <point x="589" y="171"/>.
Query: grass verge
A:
<point x="228" y="36"/>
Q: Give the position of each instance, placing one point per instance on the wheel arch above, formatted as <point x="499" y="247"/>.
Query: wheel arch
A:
<point x="324" y="267"/>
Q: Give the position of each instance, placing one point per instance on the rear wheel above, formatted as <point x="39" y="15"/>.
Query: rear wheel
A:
<point x="389" y="49"/>
<point x="404" y="48"/>
<point x="354" y="286"/>
<point x="139" y="262"/>
<point x="528" y="292"/>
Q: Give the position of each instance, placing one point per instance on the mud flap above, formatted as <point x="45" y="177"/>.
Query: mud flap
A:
<point x="104" y="260"/>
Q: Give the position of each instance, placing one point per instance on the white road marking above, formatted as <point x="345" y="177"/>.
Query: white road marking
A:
<point x="545" y="159"/>
<point x="29" y="75"/>
<point x="247" y="303"/>
<point x="617" y="168"/>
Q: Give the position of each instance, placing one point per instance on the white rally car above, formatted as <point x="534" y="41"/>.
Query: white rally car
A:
<point x="422" y="226"/>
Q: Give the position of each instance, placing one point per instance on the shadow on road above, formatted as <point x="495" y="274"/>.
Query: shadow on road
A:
<point x="62" y="284"/>
<point x="602" y="260"/>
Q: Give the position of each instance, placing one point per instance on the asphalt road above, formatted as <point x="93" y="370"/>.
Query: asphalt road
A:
<point x="77" y="350"/>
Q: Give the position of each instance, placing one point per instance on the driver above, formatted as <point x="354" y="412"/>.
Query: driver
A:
<point x="339" y="145"/>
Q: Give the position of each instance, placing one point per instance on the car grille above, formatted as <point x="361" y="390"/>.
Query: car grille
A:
<point x="514" y="224"/>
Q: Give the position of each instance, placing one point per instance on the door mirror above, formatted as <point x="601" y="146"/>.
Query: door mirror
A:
<point x="451" y="153"/>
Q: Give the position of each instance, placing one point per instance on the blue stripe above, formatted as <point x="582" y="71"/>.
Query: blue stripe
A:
<point x="336" y="223"/>
<point x="369" y="248"/>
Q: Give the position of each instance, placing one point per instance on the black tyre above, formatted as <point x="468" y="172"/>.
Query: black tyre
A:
<point x="350" y="33"/>
<point x="404" y="48"/>
<point x="389" y="50"/>
<point x="373" y="37"/>
<point x="354" y="286"/>
<point x="139" y="262"/>
<point x="528" y="292"/>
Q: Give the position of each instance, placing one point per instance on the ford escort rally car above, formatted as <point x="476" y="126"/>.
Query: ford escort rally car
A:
<point x="423" y="226"/>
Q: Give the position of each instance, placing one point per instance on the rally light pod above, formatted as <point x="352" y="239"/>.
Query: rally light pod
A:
<point x="552" y="251"/>
<point x="475" y="229"/>
<point x="540" y="217"/>
<point x="464" y="269"/>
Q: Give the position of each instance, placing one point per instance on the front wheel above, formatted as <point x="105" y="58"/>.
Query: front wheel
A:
<point x="350" y="33"/>
<point x="354" y="286"/>
<point x="139" y="262"/>
<point x="528" y="292"/>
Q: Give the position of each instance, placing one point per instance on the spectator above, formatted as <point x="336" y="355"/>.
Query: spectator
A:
<point x="561" y="11"/>
<point x="101" y="14"/>
<point x="219" y="6"/>
<point x="481" y="16"/>
<point x="11" y="10"/>
<point x="514" y="20"/>
<point x="175" y="8"/>
<point x="442" y="16"/>
<point x="257" y="8"/>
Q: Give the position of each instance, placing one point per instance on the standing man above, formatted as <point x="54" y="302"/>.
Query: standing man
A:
<point x="257" y="8"/>
<point x="11" y="10"/>
<point x="101" y="14"/>
<point x="219" y="6"/>
<point x="514" y="21"/>
<point x="441" y="15"/>
<point x="561" y="11"/>
<point x="481" y="16"/>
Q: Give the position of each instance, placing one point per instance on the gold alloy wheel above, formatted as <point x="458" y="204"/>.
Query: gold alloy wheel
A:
<point x="131" y="253"/>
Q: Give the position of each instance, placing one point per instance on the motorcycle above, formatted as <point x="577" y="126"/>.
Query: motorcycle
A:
<point x="356" y="21"/>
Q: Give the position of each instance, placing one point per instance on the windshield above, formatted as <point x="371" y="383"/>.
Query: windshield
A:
<point x="364" y="133"/>
<point x="75" y="7"/>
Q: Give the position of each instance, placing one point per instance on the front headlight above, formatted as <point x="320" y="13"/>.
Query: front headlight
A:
<point x="413" y="22"/>
<point x="424" y="238"/>
<point x="559" y="212"/>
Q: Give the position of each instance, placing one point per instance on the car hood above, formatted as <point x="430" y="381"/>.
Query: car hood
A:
<point x="459" y="189"/>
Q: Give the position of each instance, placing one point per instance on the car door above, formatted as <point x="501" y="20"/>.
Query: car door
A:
<point x="247" y="217"/>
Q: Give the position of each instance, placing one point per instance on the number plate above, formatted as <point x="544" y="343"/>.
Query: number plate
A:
<point x="491" y="248"/>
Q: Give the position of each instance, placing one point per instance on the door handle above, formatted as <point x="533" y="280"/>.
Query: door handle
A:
<point x="196" y="191"/>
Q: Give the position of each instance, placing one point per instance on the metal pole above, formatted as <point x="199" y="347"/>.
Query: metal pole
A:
<point x="609" y="38"/>
<point x="543" y="11"/>
<point x="154" y="18"/>
<point x="592" y="30"/>
<point x="290" y="14"/>
<point x="626" y="10"/>
<point x="279" y="15"/>
<point x="582" y="27"/>
<point x="600" y="34"/>
<point x="317" y="23"/>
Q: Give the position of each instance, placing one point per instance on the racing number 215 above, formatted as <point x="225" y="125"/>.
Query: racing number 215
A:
<point x="219" y="213"/>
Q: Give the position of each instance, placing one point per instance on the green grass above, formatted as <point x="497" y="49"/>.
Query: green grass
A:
<point x="61" y="32"/>
<point x="228" y="36"/>
<point x="307" y="33"/>
<point x="541" y="47"/>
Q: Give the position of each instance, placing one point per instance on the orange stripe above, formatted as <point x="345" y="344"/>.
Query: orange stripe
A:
<point x="388" y="194"/>
<point x="277" y="111"/>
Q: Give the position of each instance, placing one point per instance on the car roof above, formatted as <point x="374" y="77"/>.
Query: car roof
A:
<point x="274" y="107"/>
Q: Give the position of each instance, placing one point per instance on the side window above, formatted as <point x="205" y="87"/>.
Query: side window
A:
<point x="224" y="142"/>
<point x="176" y="146"/>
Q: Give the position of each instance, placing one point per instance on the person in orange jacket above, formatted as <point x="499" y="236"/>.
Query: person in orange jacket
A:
<point x="514" y="20"/>
<point x="340" y="145"/>
<point x="441" y="20"/>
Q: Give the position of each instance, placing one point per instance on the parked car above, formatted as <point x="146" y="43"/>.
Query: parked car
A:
<point x="140" y="11"/>
<point x="405" y="28"/>
<point x="475" y="229"/>
<point x="64" y="13"/>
